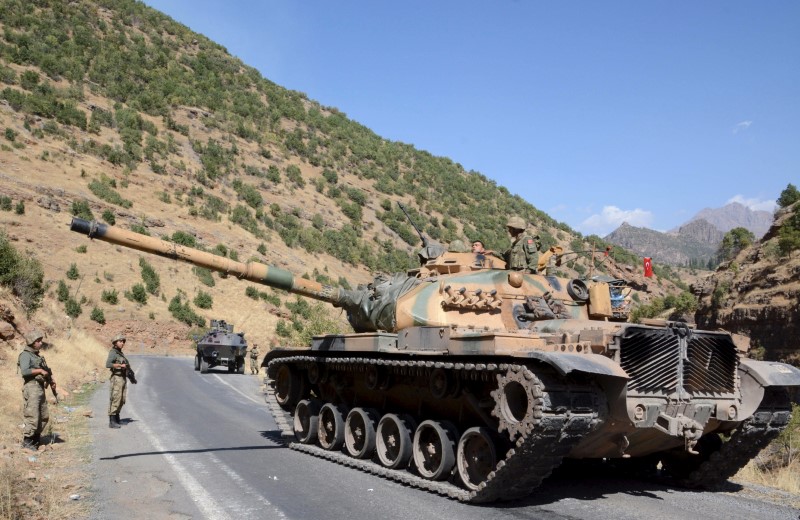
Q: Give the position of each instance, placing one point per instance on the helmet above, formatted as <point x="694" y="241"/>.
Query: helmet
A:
<point x="31" y="338"/>
<point x="516" y="222"/>
<point x="118" y="337"/>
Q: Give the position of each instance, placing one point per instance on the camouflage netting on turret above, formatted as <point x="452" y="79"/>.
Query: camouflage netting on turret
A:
<point x="373" y="307"/>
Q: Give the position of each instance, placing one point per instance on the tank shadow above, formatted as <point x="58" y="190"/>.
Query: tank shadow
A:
<point x="199" y="450"/>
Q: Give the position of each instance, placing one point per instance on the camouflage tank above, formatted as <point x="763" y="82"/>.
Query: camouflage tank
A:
<point x="220" y="346"/>
<point x="475" y="382"/>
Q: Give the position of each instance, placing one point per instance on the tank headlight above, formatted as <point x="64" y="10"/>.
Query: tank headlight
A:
<point x="732" y="412"/>
<point x="638" y="412"/>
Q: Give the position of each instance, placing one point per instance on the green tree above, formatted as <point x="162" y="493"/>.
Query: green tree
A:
<point x="203" y="300"/>
<point x="98" y="316"/>
<point x="789" y="196"/>
<point x="152" y="281"/>
<point x="734" y="241"/>
<point x="62" y="291"/>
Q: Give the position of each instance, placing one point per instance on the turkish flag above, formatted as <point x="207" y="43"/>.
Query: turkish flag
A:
<point x="648" y="267"/>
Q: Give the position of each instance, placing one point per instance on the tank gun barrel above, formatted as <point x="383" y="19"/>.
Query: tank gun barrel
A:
<point x="251" y="271"/>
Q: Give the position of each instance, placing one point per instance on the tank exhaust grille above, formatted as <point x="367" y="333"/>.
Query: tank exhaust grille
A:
<point x="679" y="362"/>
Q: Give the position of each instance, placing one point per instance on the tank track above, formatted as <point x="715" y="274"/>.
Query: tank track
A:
<point x="534" y="454"/>
<point x="753" y="435"/>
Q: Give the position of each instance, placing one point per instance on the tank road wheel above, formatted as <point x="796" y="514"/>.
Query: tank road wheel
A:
<point x="203" y="365"/>
<point x="393" y="442"/>
<point x="476" y="457"/>
<point x="289" y="387"/>
<point x="314" y="373"/>
<point x="196" y="363"/>
<point x="306" y="420"/>
<point x="518" y="402"/>
<point x="376" y="378"/>
<point x="331" y="426"/>
<point x="435" y="449"/>
<point x="359" y="432"/>
<point x="440" y="383"/>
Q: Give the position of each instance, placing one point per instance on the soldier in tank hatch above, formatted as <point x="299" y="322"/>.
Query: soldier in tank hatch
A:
<point x="523" y="255"/>
<point x="120" y="373"/>
<point x="37" y="376"/>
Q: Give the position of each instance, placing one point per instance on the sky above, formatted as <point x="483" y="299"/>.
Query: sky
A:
<point x="594" y="112"/>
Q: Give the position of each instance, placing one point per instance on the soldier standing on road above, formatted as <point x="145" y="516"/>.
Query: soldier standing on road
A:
<point x="120" y="373"/>
<point x="36" y="376"/>
<point x="254" y="359"/>
<point x="523" y="255"/>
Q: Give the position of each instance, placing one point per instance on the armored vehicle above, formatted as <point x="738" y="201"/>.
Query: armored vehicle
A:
<point x="476" y="382"/>
<point x="220" y="346"/>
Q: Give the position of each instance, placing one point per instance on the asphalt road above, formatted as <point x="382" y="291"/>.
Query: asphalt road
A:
<point x="205" y="446"/>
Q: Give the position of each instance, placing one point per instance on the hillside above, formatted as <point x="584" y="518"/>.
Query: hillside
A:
<point x="757" y="292"/>
<point x="113" y="111"/>
<point x="734" y="215"/>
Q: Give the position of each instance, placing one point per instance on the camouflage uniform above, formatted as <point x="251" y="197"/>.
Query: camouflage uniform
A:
<point x="254" y="360"/>
<point x="34" y="409"/>
<point x="118" y="380"/>
<point x="523" y="255"/>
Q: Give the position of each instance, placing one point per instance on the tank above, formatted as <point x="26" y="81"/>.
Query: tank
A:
<point x="220" y="346"/>
<point x="475" y="382"/>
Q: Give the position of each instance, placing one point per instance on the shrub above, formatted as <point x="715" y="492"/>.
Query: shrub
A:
<point x="108" y="217"/>
<point x="72" y="308"/>
<point x="184" y="239"/>
<point x="98" y="316"/>
<point x="141" y="229"/>
<point x="72" y="272"/>
<point x="251" y="292"/>
<point x="5" y="203"/>
<point x="81" y="209"/>
<point x="151" y="279"/>
<point x="62" y="291"/>
<point x="102" y="189"/>
<point x="205" y="276"/>
<point x="110" y="297"/>
<point x="137" y="294"/>
<point x="19" y="209"/>
<point x="81" y="248"/>
<point x="183" y="312"/>
<point x="262" y="248"/>
<point x="203" y="300"/>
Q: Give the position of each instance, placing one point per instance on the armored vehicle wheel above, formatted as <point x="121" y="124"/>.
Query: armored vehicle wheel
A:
<point x="476" y="457"/>
<point x="359" y="432"/>
<point x="203" y="365"/>
<point x="197" y="363"/>
<point x="306" y="420"/>
<point x="435" y="449"/>
<point x="393" y="442"/>
<point x="240" y="365"/>
<point x="231" y="367"/>
<point x="289" y="386"/>
<point x="331" y="426"/>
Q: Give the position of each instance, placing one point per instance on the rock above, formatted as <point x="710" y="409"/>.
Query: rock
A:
<point x="7" y="331"/>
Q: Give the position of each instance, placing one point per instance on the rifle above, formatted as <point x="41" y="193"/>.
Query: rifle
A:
<point x="129" y="373"/>
<point x="48" y="379"/>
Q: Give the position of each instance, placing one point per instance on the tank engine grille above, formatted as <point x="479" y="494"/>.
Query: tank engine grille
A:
<point x="679" y="361"/>
<point x="711" y="366"/>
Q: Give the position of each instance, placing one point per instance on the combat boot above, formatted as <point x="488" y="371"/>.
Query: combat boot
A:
<point x="116" y="418"/>
<point x="29" y="443"/>
<point x="112" y="422"/>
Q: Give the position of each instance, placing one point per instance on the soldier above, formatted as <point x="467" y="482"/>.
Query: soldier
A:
<point x="254" y="359"/>
<point x="478" y="248"/>
<point x="523" y="254"/>
<point x="37" y="376"/>
<point x="120" y="370"/>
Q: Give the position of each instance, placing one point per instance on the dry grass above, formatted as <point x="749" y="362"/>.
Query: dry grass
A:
<point x="786" y="478"/>
<point x="39" y="485"/>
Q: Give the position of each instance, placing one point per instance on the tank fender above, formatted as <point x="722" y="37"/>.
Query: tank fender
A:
<point x="589" y="363"/>
<point x="771" y="373"/>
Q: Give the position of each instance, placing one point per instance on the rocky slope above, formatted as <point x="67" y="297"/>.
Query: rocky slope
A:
<point x="757" y="294"/>
<point x="695" y="242"/>
<point x="737" y="215"/>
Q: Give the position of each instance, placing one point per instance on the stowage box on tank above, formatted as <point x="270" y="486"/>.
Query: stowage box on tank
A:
<point x="221" y="346"/>
<point x="475" y="382"/>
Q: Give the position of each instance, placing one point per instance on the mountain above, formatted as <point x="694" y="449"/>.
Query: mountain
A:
<point x="734" y="215"/>
<point x="695" y="243"/>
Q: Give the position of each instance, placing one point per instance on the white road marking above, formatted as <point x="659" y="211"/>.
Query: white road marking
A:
<point x="238" y="391"/>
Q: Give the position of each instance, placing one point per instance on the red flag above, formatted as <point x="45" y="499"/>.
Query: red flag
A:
<point x="648" y="267"/>
<point x="608" y="248"/>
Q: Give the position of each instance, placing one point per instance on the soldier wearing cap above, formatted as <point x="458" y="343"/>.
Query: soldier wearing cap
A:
<point x="36" y="376"/>
<point x="254" y="359"/>
<point x="523" y="255"/>
<point x="119" y="366"/>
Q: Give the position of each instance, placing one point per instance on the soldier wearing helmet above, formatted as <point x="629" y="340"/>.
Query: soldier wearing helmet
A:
<point x="120" y="373"/>
<point x="254" y="359"/>
<point x="36" y="376"/>
<point x="523" y="255"/>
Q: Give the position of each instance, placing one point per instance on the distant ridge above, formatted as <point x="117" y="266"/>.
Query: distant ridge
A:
<point x="735" y="215"/>
<point x="694" y="243"/>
